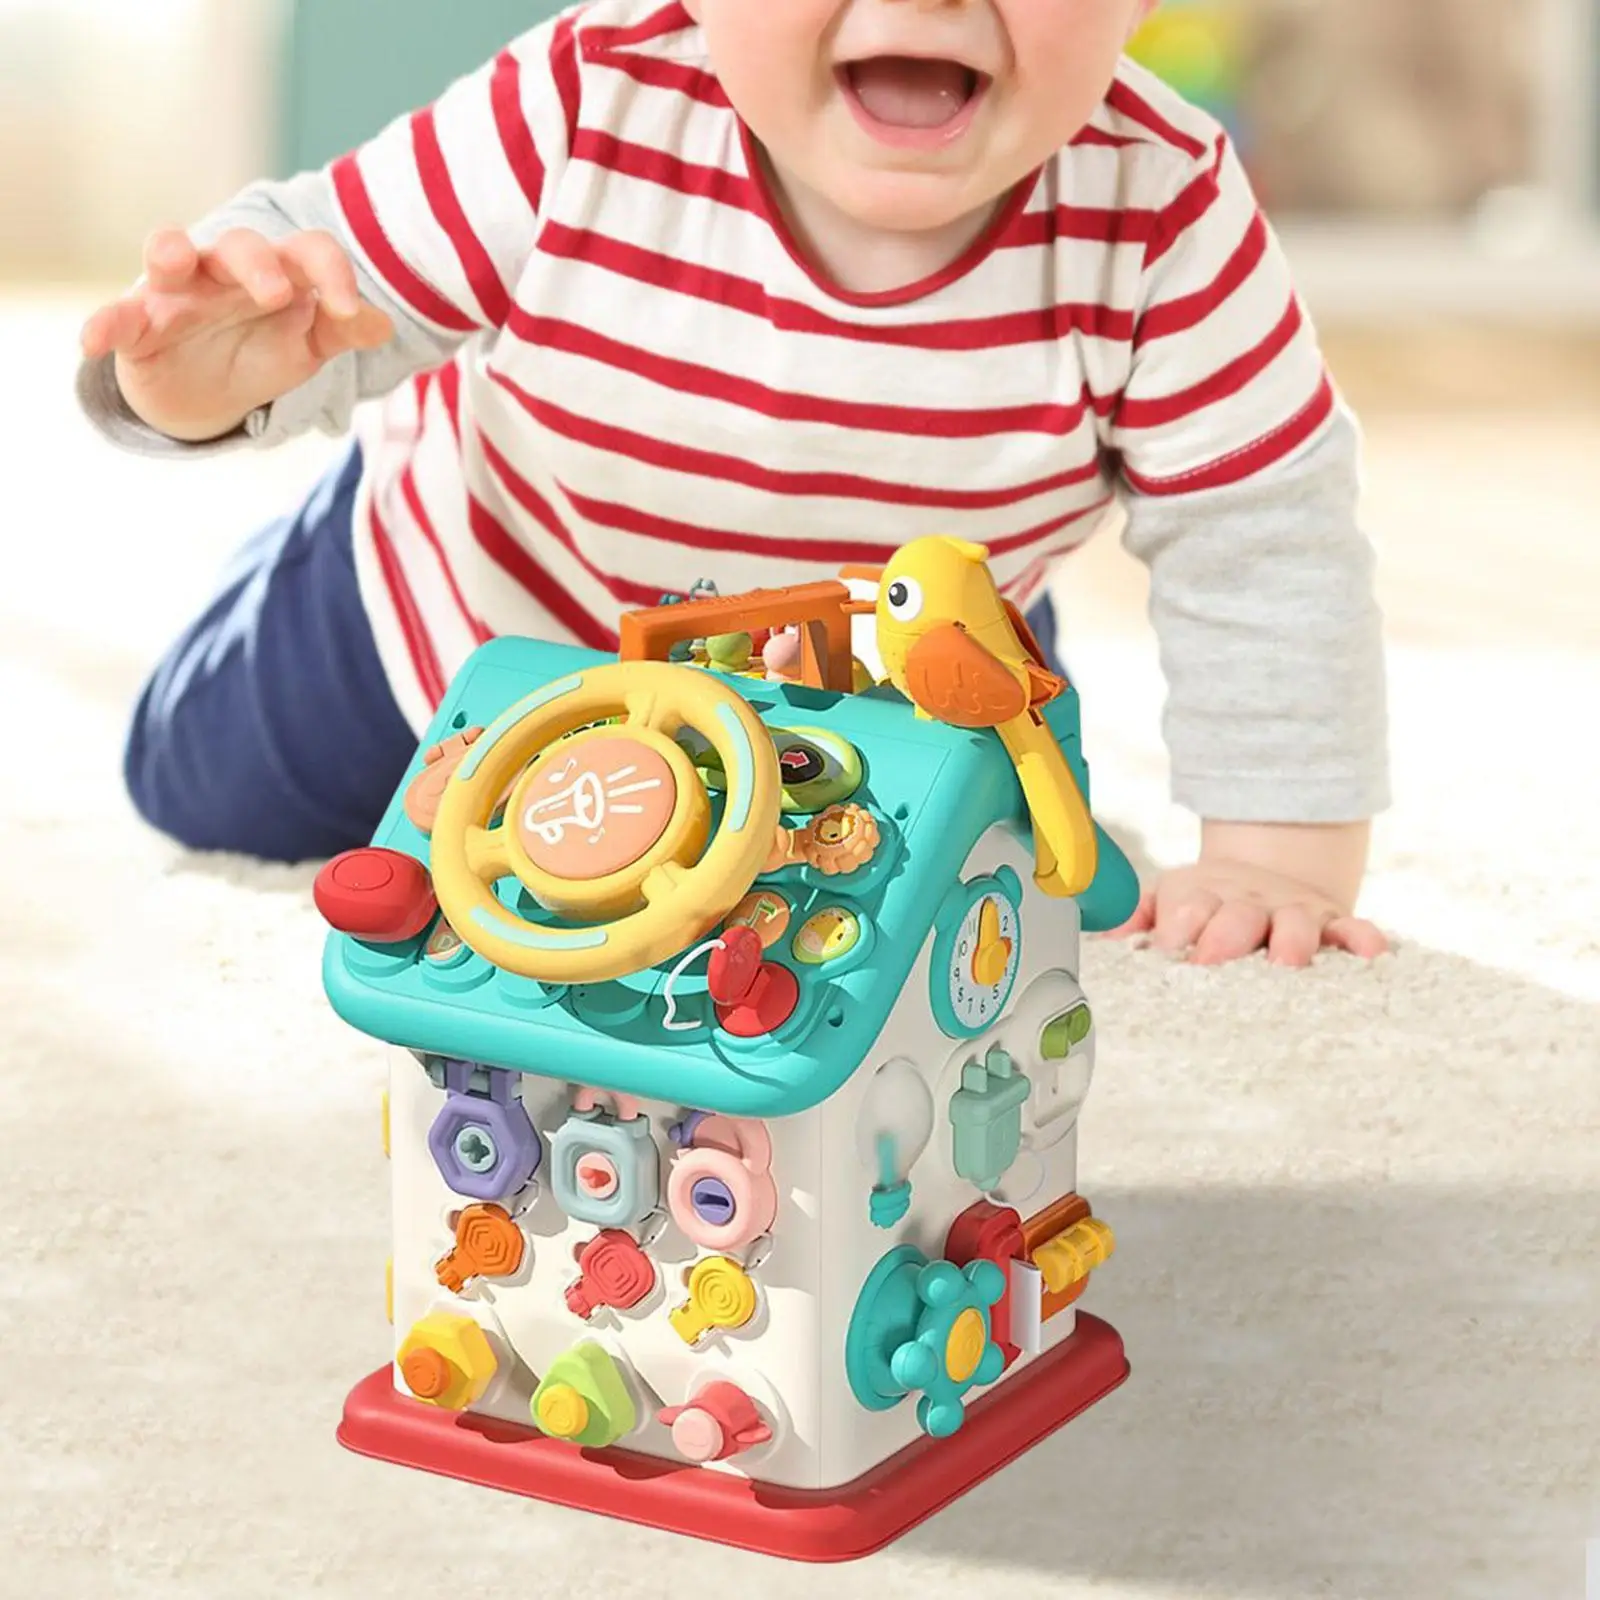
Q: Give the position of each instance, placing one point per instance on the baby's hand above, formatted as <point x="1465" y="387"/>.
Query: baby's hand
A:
<point x="1220" y="910"/>
<point x="210" y="335"/>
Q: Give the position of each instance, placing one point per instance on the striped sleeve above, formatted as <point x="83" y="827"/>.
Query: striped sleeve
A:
<point x="1226" y="378"/>
<point x="443" y="206"/>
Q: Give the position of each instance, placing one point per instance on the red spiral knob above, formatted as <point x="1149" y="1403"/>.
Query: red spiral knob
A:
<point x="614" y="1272"/>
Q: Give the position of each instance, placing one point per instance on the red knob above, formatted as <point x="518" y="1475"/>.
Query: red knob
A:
<point x="614" y="1271"/>
<point x="382" y="896"/>
<point x="766" y="1006"/>
<point x="734" y="967"/>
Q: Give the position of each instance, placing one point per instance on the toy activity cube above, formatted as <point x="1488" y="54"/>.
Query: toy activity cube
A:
<point x="737" y="1050"/>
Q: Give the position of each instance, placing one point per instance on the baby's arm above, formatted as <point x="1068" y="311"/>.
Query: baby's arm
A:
<point x="300" y="215"/>
<point x="1262" y="597"/>
<point x="297" y="300"/>
<point x="1243" y="475"/>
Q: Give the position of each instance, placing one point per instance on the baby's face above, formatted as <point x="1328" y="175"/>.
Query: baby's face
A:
<point x="908" y="114"/>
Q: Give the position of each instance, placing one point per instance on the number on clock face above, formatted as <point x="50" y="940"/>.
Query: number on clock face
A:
<point x="983" y="961"/>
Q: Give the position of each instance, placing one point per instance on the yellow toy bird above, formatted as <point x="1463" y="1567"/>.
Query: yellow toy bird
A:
<point x="962" y="653"/>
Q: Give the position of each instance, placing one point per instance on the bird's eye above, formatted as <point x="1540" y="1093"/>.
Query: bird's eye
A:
<point x="905" y="599"/>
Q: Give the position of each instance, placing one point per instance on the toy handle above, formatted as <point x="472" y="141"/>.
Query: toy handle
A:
<point x="818" y="608"/>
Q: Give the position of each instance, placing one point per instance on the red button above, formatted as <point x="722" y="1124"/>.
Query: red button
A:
<point x="361" y="871"/>
<point x="769" y="1003"/>
<point x="732" y="970"/>
<point x="382" y="896"/>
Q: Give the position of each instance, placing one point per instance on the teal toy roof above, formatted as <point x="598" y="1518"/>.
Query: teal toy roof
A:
<point x="934" y="789"/>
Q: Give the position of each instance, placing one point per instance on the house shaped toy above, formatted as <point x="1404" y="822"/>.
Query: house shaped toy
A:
<point x="736" y="1063"/>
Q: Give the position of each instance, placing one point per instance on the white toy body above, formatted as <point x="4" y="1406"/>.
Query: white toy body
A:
<point x="820" y="1250"/>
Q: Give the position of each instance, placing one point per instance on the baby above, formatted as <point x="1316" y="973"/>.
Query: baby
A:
<point x="683" y="288"/>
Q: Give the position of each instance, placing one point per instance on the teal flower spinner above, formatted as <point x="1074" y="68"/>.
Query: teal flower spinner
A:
<point x="923" y="1328"/>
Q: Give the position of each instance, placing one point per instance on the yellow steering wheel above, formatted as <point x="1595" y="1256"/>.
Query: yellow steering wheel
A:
<point x="608" y="826"/>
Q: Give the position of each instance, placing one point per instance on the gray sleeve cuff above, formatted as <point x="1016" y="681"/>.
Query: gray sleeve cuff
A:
<point x="1271" y="640"/>
<point x="323" y="403"/>
<point x="1356" y="796"/>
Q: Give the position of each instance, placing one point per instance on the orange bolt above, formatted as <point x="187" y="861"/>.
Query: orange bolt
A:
<point x="426" y="1372"/>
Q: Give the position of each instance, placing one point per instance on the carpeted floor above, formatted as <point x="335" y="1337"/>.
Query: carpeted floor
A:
<point x="1358" y="1209"/>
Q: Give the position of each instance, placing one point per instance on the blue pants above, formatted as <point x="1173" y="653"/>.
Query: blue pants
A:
<point x="270" y="729"/>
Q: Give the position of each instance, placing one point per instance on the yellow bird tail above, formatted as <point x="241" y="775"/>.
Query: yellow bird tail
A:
<point x="1065" y="852"/>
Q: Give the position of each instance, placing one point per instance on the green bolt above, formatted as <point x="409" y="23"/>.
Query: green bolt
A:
<point x="729" y="650"/>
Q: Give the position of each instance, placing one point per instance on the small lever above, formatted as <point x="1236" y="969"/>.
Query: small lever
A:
<point x="734" y="966"/>
<point x="753" y="996"/>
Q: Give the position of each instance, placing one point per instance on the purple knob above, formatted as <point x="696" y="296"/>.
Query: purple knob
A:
<point x="483" y="1145"/>
<point x="713" y="1202"/>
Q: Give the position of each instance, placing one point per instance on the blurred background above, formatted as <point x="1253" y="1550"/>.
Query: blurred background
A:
<point x="1413" y="153"/>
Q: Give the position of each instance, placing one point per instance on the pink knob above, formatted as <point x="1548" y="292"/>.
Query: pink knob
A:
<point x="697" y="1435"/>
<point x="721" y="1421"/>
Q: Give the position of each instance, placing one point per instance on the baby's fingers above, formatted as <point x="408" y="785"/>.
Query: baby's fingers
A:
<point x="1179" y="918"/>
<point x="1356" y="935"/>
<point x="115" y="328"/>
<point x="321" y="263"/>
<point x="170" y="261"/>
<point x="368" y="329"/>
<point x="1238" y="929"/>
<point x="1296" y="936"/>
<point x="1142" y="920"/>
<point x="249" y="262"/>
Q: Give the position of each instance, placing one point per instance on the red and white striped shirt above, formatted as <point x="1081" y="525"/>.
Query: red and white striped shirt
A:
<point x="652" y="385"/>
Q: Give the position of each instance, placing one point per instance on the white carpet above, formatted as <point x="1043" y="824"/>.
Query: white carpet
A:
<point x="1358" y="1209"/>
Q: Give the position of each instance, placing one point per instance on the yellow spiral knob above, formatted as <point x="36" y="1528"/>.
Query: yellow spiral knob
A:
<point x="721" y="1295"/>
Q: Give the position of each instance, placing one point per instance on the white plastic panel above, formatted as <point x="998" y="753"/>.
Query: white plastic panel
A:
<point x="790" y="1359"/>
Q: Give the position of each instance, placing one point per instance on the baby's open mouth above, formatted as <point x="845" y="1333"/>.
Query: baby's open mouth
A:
<point x="911" y="92"/>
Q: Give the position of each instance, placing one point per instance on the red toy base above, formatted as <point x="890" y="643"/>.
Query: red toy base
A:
<point x="802" y="1525"/>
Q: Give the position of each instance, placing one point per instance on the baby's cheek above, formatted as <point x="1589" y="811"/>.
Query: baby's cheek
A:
<point x="1065" y="55"/>
<point x="764" y="55"/>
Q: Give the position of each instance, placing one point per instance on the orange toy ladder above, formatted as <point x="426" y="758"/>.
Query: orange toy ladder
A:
<point x="819" y="610"/>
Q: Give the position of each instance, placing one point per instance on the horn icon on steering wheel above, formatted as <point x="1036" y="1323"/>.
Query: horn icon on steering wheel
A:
<point x="608" y="827"/>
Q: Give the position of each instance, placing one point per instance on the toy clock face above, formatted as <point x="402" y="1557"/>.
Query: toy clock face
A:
<point x="977" y="954"/>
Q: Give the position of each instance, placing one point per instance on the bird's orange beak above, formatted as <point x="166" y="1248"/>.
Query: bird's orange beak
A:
<point x="860" y="608"/>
